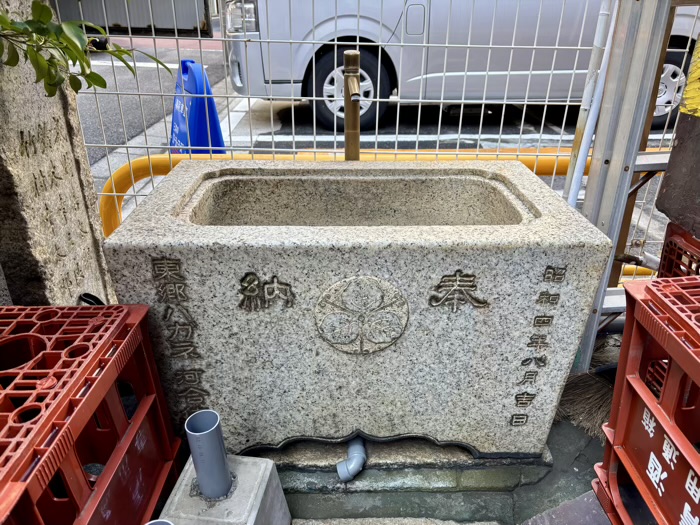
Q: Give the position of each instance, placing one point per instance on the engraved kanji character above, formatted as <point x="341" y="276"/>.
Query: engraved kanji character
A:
<point x="194" y="396"/>
<point x="548" y="299"/>
<point x="275" y="288"/>
<point x="184" y="349"/>
<point x="670" y="452"/>
<point x="538" y="342"/>
<point x="524" y="399"/>
<point x="171" y="310"/>
<point x="252" y="293"/>
<point x="529" y="378"/>
<point x="656" y="473"/>
<point x="691" y="485"/>
<point x="687" y="517"/>
<point x="181" y="332"/>
<point x="538" y="361"/>
<point x="188" y="377"/>
<point x="542" y="321"/>
<point x="518" y="420"/>
<point x="553" y="274"/>
<point x="456" y="290"/>
<point x="167" y="270"/>
<point x="649" y="422"/>
<point x="171" y="293"/>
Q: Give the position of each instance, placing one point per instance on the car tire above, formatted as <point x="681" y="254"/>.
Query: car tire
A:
<point x="666" y="94"/>
<point x="326" y="85"/>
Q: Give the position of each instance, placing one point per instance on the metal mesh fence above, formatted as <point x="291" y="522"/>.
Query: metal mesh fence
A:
<point x="440" y="80"/>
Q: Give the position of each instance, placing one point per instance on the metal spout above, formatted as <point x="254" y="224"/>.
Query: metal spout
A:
<point x="352" y="96"/>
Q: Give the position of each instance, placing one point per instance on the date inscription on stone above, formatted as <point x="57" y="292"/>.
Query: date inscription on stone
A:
<point x="361" y="315"/>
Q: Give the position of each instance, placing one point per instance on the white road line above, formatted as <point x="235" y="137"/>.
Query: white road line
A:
<point x="235" y="117"/>
<point x="408" y="137"/>
<point x="138" y="64"/>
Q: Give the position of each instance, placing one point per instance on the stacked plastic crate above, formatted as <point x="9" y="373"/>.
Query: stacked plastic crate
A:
<point x="651" y="469"/>
<point x="85" y="436"/>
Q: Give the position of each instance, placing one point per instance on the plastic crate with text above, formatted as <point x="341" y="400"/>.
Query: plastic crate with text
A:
<point x="680" y="256"/>
<point x="651" y="466"/>
<point x="85" y="436"/>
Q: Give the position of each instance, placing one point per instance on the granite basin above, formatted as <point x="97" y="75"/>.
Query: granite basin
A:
<point x="326" y="300"/>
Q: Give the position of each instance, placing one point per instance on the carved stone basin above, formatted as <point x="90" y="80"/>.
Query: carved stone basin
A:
<point x="346" y="199"/>
<point x="388" y="299"/>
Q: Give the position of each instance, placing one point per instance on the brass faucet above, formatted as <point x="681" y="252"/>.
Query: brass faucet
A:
<point x="351" y="63"/>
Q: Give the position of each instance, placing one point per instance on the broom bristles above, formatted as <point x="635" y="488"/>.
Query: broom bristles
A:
<point x="586" y="402"/>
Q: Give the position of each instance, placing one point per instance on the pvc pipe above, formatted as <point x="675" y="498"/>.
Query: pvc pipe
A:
<point x="592" y="119"/>
<point x="209" y="454"/>
<point x="160" y="522"/>
<point x="351" y="467"/>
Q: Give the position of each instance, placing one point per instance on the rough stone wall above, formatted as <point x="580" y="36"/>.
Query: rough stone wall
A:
<point x="4" y="292"/>
<point x="50" y="232"/>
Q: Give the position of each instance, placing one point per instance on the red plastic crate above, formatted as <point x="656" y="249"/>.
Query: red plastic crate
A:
<point x="653" y="436"/>
<point x="85" y="436"/>
<point x="680" y="256"/>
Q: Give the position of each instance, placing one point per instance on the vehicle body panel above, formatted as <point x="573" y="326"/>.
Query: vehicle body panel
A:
<point x="478" y="51"/>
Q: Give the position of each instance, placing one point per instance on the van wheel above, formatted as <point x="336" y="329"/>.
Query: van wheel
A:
<point x="327" y="87"/>
<point x="670" y="90"/>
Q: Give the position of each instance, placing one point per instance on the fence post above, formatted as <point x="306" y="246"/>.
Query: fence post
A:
<point x="637" y="43"/>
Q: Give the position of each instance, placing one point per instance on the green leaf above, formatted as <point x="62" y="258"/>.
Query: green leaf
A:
<point x="39" y="63"/>
<point x="75" y="35"/>
<point x="58" y="55"/>
<point x="161" y="64"/>
<point x="90" y="25"/>
<point x="96" y="80"/>
<point x="12" y="55"/>
<point x="41" y="12"/>
<point x="118" y="56"/>
<point x="20" y="27"/>
<point x="5" y="21"/>
<point x="49" y="88"/>
<point x="75" y="83"/>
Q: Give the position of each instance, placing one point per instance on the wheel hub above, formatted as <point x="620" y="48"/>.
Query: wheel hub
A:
<point x="670" y="91"/>
<point x="334" y="92"/>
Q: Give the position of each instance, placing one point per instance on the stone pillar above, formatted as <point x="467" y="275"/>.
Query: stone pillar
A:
<point x="50" y="232"/>
<point x="4" y="292"/>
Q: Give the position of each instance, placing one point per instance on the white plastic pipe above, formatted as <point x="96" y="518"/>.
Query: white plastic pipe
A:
<point x="351" y="467"/>
<point x="206" y="441"/>
<point x="160" y="522"/>
<point x="592" y="120"/>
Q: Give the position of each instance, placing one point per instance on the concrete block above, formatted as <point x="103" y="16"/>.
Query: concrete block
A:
<point x="437" y="300"/>
<point x="257" y="500"/>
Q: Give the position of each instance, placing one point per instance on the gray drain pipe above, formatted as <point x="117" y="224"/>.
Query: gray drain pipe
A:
<point x="351" y="467"/>
<point x="160" y="522"/>
<point x="209" y="454"/>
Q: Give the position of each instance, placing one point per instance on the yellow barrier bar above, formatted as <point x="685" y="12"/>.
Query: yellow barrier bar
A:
<point x="121" y="181"/>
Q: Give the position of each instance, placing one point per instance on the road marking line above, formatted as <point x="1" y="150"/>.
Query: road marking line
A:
<point x="138" y="64"/>
<point x="422" y="137"/>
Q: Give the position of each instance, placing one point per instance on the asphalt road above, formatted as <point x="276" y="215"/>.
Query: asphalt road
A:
<point x="432" y="127"/>
<point x="115" y="119"/>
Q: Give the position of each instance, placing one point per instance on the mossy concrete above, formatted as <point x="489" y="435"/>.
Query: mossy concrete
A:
<point x="419" y="480"/>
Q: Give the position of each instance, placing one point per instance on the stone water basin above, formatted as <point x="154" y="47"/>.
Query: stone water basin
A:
<point x="319" y="300"/>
